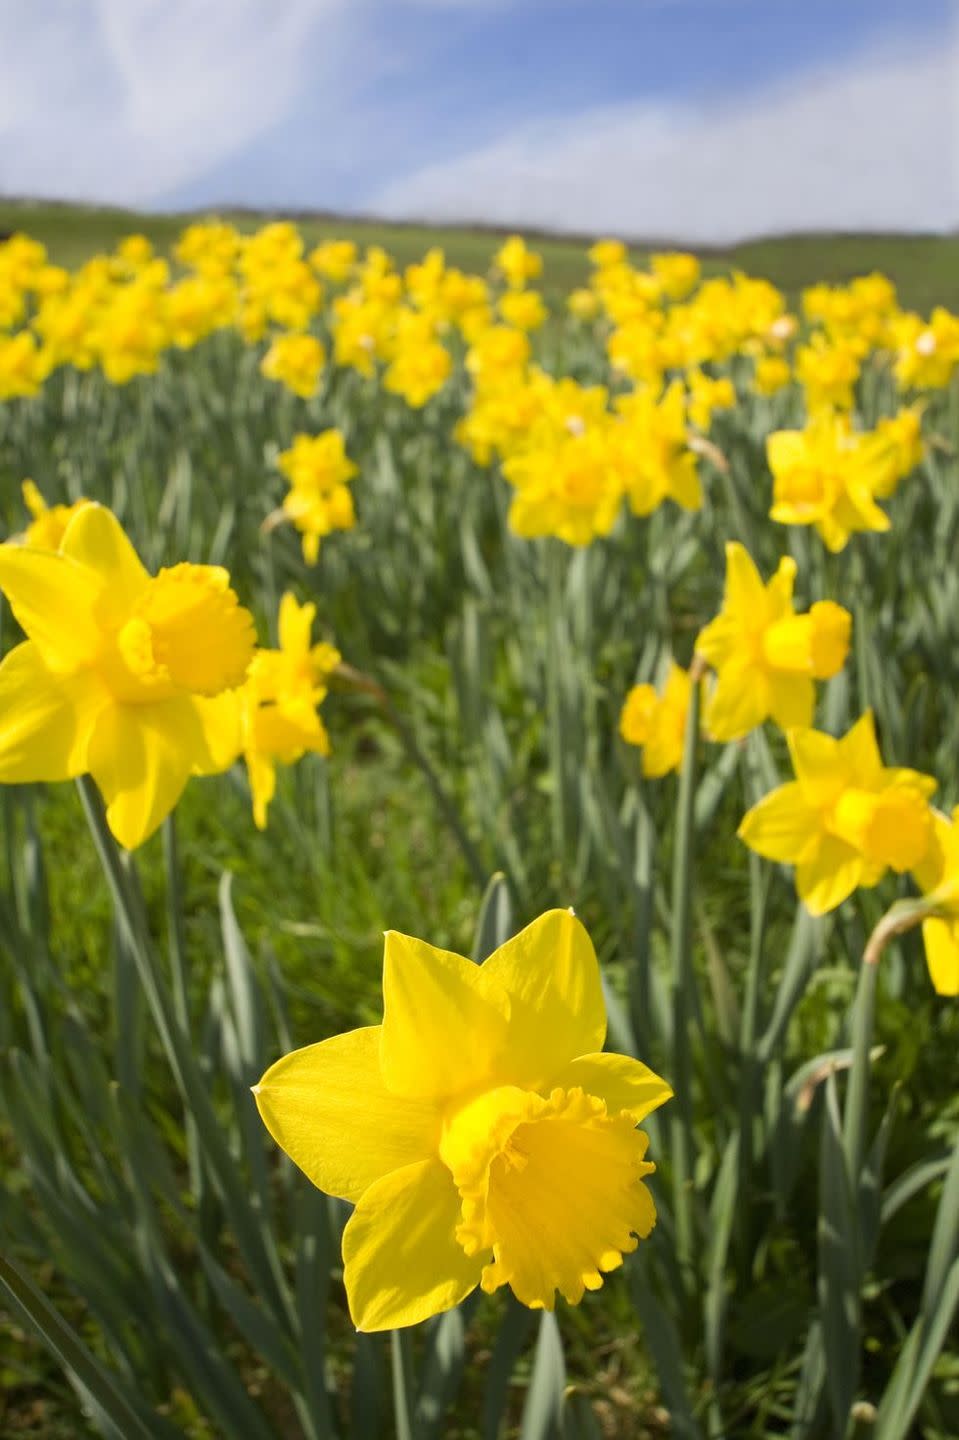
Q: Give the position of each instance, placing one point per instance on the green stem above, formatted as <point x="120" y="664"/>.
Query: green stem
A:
<point x="402" y="1364"/>
<point x="682" y="979"/>
<point x="554" y="695"/>
<point x="856" y="1112"/>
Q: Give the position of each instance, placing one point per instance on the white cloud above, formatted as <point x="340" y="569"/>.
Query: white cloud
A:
<point x="122" y="100"/>
<point x="873" y="144"/>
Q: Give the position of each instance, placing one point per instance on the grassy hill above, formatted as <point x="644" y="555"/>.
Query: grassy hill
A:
<point x="924" y="267"/>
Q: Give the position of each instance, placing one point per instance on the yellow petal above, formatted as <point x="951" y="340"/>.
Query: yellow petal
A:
<point x="779" y="591"/>
<point x="295" y="625"/>
<point x="818" y="763"/>
<point x="402" y="1261"/>
<point x="45" y="719"/>
<point x="745" y="593"/>
<point x="557" y="1011"/>
<point x="53" y="599"/>
<point x="826" y="878"/>
<point x="782" y="827"/>
<point x="141" y="757"/>
<point x="623" y="1083"/>
<point x="95" y="539"/>
<point x="859" y="750"/>
<point x="220" y="719"/>
<point x="443" y="1027"/>
<point x="739" y="701"/>
<point x="831" y="625"/>
<point x="327" y="1107"/>
<point x="941" y="939"/>
<point x="792" y="699"/>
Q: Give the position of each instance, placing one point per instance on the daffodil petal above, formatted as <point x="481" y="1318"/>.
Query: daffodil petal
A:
<point x="792" y="699"/>
<point x="53" y="599"/>
<point x="141" y="757"/>
<point x="941" y="940"/>
<point x="557" y="1010"/>
<point x="220" y="719"/>
<point x="402" y="1261"/>
<point x="443" y="1026"/>
<point x="623" y="1083"/>
<point x="45" y="719"/>
<point x="95" y="539"/>
<point x="738" y="703"/>
<point x="327" y="1107"/>
<point x="781" y="826"/>
<point x="829" y="876"/>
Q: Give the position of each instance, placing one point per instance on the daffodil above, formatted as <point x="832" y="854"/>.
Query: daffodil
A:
<point x="772" y="374"/>
<point x="657" y="722"/>
<point x="516" y="263"/>
<point x="846" y="818"/>
<point x="482" y="1133"/>
<point x="319" y="500"/>
<point x="568" y="489"/>
<point x="279" y="719"/>
<point x="119" y="672"/>
<point x="828" y="476"/>
<point x="296" y="361"/>
<point x="652" y="453"/>
<point x="766" y="657"/>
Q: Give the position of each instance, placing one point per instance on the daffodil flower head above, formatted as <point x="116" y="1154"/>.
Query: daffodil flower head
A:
<point x="828" y="476"/>
<point x="279" y="704"/>
<point x="846" y="818"/>
<point x="657" y="722"/>
<point x="652" y="452"/>
<point x="121" y="671"/>
<point x="766" y="657"/>
<point x="482" y="1133"/>
<point x="319" y="500"/>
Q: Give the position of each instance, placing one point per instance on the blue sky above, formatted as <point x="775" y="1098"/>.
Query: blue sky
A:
<point x="693" y="118"/>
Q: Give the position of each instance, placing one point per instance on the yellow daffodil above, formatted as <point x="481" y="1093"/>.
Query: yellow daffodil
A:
<point x="24" y="365"/>
<point x="828" y="374"/>
<point x="927" y="352"/>
<point x="766" y="657"/>
<point x="653" y="455"/>
<point x="516" y="263"/>
<point x="605" y="253"/>
<point x="482" y="1133"/>
<point x="568" y="489"/>
<point x="846" y="819"/>
<point x="296" y="361"/>
<point x="901" y="436"/>
<point x="334" y="259"/>
<point x="118" y="672"/>
<point x="319" y="500"/>
<point x="678" y="273"/>
<point x="420" y="364"/>
<point x="828" y="475"/>
<point x="657" y="722"/>
<point x="771" y="374"/>
<point x="279" y="720"/>
<point x="523" y="308"/>
<point x="583" y="304"/>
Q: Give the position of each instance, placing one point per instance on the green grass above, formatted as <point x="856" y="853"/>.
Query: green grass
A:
<point x="924" y="267"/>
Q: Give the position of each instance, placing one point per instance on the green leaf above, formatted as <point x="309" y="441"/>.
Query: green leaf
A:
<point x="103" y="1388"/>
